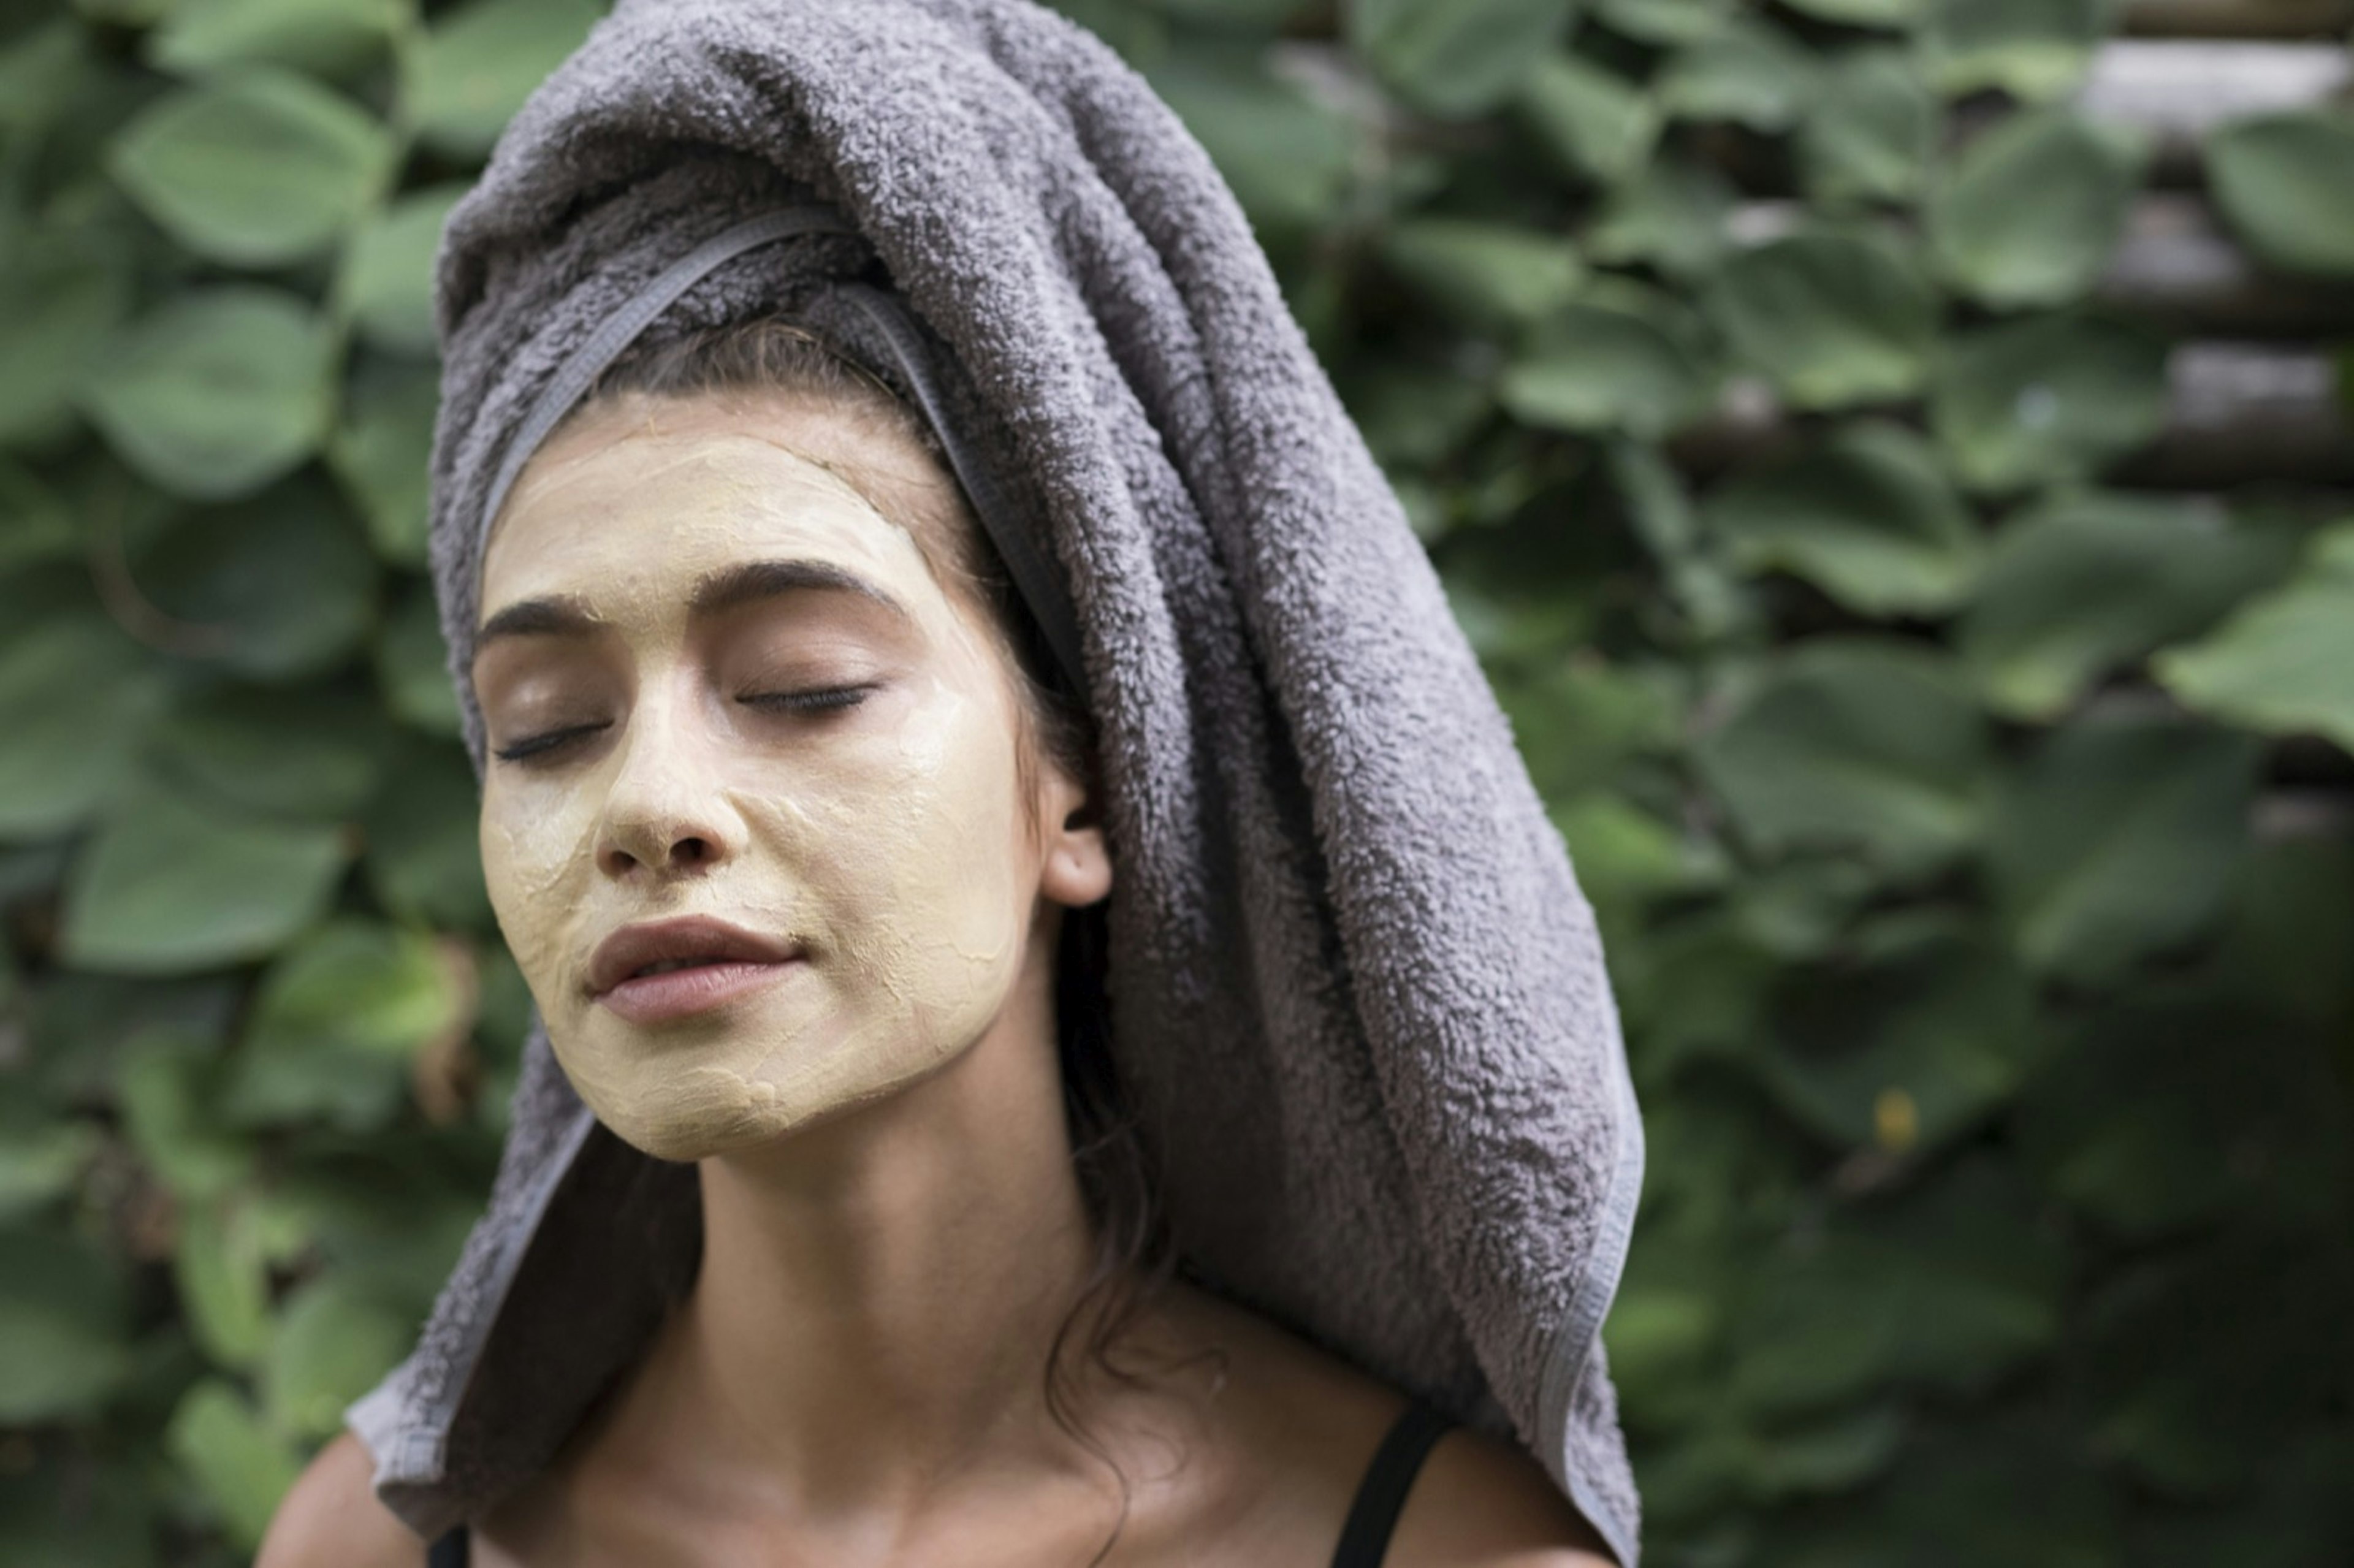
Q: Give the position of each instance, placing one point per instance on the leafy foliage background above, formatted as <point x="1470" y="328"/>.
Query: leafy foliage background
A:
<point x="1965" y="795"/>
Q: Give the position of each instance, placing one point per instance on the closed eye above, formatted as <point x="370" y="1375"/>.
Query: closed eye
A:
<point x="548" y="740"/>
<point x="821" y="700"/>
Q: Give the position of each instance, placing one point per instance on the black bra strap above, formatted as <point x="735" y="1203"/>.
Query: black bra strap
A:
<point x="1365" y="1538"/>
<point x="450" y="1551"/>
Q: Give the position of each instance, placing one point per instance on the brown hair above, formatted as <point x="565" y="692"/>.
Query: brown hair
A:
<point x="1133" y="1257"/>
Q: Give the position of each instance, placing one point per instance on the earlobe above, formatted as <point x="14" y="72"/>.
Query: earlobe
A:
<point x="1078" y="867"/>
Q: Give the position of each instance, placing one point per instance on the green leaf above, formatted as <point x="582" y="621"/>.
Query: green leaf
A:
<point x="1141" y="36"/>
<point x="1868" y="517"/>
<point x="1595" y="367"/>
<point x="1664" y="21"/>
<point x="76" y="694"/>
<point x="42" y="68"/>
<point x="280" y="586"/>
<point x="2201" y="1366"/>
<point x="62" y="1329"/>
<point x="2031" y="210"/>
<point x="1625" y="857"/>
<point x="1863" y="13"/>
<point x="2045" y="399"/>
<point x="2034" y="50"/>
<point x="413" y="666"/>
<point x="2116" y="841"/>
<point x="1748" y="71"/>
<point x="165" y="886"/>
<point x="1672" y="214"/>
<point x="2285" y="182"/>
<point x="1595" y="121"/>
<point x="2284" y="663"/>
<point x="2015" y="1487"/>
<point x="1869" y="128"/>
<point x="1490" y="275"/>
<point x="215" y="1437"/>
<point x="308" y="754"/>
<point x="2085" y="583"/>
<point x="339" y="1019"/>
<point x="41" y="1159"/>
<point x="424" y="852"/>
<point x="387" y="278"/>
<point x="2166" y="1112"/>
<point x="1455" y="57"/>
<point x="255" y="170"/>
<point x="1853" y="742"/>
<point x="1832" y="318"/>
<point x="1801" y="908"/>
<point x="223" y="1276"/>
<point x="2292" y="915"/>
<point x="1288" y="158"/>
<point x="359" y="986"/>
<point x="1258" y="16"/>
<point x="1580" y="720"/>
<point x="326" y="37"/>
<point x="166" y="1086"/>
<point x="1949" y="1295"/>
<point x="480" y="61"/>
<point x="383" y="451"/>
<point x="1906" y="1053"/>
<point x="220" y="392"/>
<point x="1413" y="413"/>
<point x="332" y="1344"/>
<point x="35" y="525"/>
<point x="58" y="1513"/>
<point x="67" y="295"/>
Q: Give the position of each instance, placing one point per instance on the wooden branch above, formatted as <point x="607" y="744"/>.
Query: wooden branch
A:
<point x="2179" y="90"/>
<point x="2314" y="19"/>
<point x="2240" y="412"/>
<point x="2179" y="269"/>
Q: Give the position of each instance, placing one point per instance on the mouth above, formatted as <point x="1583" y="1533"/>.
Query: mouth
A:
<point x="663" y="970"/>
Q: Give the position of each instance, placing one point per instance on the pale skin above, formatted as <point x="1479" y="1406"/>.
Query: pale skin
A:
<point x="894" y="1231"/>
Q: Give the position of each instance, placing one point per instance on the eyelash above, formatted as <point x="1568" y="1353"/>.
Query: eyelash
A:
<point x="825" y="699"/>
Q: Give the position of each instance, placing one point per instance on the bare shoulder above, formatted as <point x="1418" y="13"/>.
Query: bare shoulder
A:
<point x="331" y="1517"/>
<point x="1308" y="1424"/>
<point x="1482" y="1503"/>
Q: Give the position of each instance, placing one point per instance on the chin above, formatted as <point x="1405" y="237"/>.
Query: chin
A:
<point x="696" y="1113"/>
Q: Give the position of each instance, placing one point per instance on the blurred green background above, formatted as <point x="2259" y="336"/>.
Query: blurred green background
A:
<point x="1891" y="455"/>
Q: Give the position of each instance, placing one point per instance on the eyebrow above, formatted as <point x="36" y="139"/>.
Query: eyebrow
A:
<point x="733" y="585"/>
<point x="558" y="615"/>
<point x="568" y="615"/>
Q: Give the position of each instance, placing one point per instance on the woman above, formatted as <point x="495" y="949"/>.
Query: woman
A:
<point x="987" y="797"/>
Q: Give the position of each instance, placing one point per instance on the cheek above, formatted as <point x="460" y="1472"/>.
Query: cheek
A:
<point x="536" y="856"/>
<point x="916" y="857"/>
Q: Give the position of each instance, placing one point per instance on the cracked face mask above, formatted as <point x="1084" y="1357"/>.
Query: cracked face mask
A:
<point x="735" y="691"/>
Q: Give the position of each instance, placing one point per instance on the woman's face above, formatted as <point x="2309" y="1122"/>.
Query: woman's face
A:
<point x="720" y="686"/>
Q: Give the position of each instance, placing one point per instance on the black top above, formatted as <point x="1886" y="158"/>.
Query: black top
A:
<point x="1364" y="1538"/>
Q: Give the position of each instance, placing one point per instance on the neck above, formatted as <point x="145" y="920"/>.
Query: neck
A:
<point x="879" y="1295"/>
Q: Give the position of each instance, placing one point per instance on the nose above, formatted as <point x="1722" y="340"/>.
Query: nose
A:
<point x="665" y="815"/>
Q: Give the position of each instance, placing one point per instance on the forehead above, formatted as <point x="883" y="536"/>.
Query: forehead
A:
<point x="640" y="484"/>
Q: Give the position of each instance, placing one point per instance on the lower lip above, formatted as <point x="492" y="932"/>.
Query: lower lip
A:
<point x="682" y="993"/>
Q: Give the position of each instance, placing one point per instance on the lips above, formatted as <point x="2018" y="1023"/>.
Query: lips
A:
<point x="666" y="971"/>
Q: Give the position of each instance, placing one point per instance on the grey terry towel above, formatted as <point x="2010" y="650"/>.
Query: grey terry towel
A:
<point x="1359" y="1004"/>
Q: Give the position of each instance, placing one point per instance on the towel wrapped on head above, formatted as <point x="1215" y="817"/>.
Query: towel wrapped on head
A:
<point x="1358" y="1006"/>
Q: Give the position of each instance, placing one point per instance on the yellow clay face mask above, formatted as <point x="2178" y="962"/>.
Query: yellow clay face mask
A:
<point x="813" y="766"/>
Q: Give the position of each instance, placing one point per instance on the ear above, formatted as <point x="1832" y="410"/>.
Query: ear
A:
<point x="1077" y="867"/>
